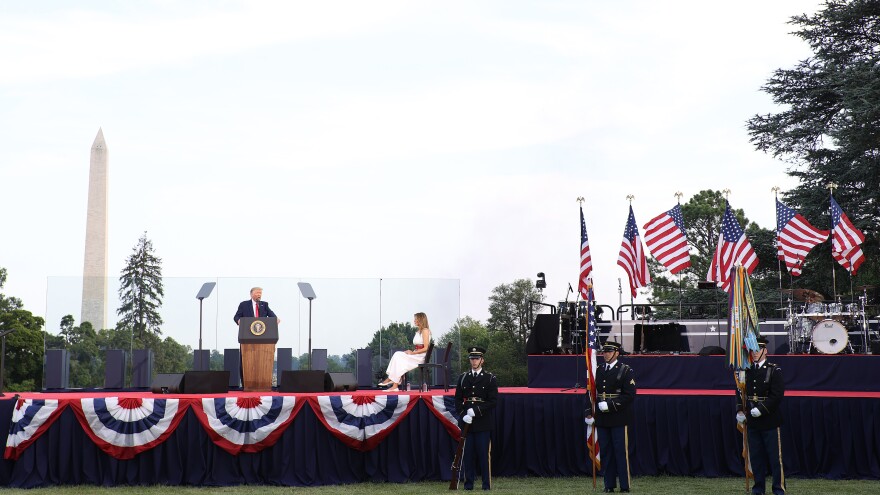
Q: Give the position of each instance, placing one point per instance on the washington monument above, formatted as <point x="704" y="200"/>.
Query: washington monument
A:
<point x="94" y="294"/>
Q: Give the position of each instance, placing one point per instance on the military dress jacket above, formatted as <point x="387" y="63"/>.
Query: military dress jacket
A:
<point x="616" y="387"/>
<point x="765" y="388"/>
<point x="479" y="393"/>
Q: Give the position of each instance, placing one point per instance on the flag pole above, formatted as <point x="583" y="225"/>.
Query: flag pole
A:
<point x="775" y="191"/>
<point x="830" y="186"/>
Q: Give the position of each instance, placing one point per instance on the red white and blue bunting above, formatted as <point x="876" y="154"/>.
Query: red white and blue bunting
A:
<point x="30" y="419"/>
<point x="125" y="427"/>
<point x="362" y="421"/>
<point x="247" y="424"/>
<point x="443" y="406"/>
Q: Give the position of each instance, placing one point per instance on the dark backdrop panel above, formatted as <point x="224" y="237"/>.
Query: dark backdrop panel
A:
<point x="536" y="435"/>
<point x="851" y="372"/>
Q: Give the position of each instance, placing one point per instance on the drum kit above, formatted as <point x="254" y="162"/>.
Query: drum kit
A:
<point x="816" y="325"/>
<point x="572" y="320"/>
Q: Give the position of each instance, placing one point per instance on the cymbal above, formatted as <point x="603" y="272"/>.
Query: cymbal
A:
<point x="866" y="287"/>
<point x="807" y="295"/>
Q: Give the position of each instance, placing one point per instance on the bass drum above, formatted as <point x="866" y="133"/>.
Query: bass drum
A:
<point x="830" y="337"/>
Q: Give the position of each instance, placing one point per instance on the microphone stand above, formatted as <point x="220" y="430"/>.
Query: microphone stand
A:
<point x="574" y="333"/>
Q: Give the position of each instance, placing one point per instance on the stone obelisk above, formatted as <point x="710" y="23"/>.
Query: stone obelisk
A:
<point x="94" y="294"/>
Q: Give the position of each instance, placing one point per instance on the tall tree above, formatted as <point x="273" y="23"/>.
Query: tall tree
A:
<point x="827" y="126"/>
<point x="509" y="311"/>
<point x="24" y="346"/>
<point x="141" y="291"/>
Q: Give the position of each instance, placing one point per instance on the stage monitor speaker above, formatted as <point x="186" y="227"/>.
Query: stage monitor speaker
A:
<point x="301" y="381"/>
<point x="114" y="368"/>
<point x="545" y="334"/>
<point x="340" y="382"/>
<point x="205" y="382"/>
<point x="167" y="383"/>
<point x="712" y="350"/>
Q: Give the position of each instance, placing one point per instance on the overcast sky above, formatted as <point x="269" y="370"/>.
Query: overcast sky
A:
<point x="398" y="140"/>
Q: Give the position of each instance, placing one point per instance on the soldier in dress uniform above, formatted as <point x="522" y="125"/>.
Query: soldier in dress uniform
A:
<point x="475" y="397"/>
<point x="764" y="391"/>
<point x="612" y="414"/>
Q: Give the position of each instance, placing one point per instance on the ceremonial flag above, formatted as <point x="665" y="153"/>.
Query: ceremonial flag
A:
<point x="667" y="240"/>
<point x="846" y="240"/>
<point x="733" y="247"/>
<point x="795" y="237"/>
<point x="584" y="282"/>
<point x="592" y="354"/>
<point x="632" y="256"/>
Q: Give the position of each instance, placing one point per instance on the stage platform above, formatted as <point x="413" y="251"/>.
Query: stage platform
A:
<point x="320" y="439"/>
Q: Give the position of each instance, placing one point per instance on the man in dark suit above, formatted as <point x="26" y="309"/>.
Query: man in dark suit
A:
<point x="475" y="398"/>
<point x="612" y="414"/>
<point x="764" y="391"/>
<point x="254" y="307"/>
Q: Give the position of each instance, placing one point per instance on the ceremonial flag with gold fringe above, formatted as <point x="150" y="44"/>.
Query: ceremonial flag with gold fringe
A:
<point x="743" y="338"/>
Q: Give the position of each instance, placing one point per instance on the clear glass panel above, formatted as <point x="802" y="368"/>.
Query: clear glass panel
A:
<point x="345" y="315"/>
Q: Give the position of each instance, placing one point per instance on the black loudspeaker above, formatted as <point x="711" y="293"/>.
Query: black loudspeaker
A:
<point x="657" y="338"/>
<point x="232" y="364"/>
<point x="712" y="350"/>
<point x="875" y="347"/>
<point x="545" y="334"/>
<point x="284" y="360"/>
<point x="301" y="381"/>
<point x="364" y="368"/>
<point x="340" y="382"/>
<point x="114" y="368"/>
<point x="141" y="368"/>
<point x="319" y="360"/>
<point x="57" y="368"/>
<point x="203" y="364"/>
<point x="205" y="382"/>
<point x="167" y="383"/>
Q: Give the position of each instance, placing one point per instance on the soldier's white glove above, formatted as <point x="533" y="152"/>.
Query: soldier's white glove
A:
<point x="755" y="412"/>
<point x="589" y="421"/>
<point x="603" y="406"/>
<point x="467" y="419"/>
<point x="740" y="417"/>
<point x="470" y="412"/>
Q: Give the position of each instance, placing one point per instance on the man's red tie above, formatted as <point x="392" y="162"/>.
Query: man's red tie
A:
<point x="257" y="310"/>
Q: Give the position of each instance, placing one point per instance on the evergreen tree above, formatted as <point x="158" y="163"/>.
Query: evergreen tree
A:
<point x="827" y="128"/>
<point x="141" y="291"/>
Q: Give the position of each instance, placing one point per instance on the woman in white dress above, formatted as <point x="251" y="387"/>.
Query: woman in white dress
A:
<point x="404" y="361"/>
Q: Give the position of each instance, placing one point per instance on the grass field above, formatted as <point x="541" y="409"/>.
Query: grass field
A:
<point x="655" y="485"/>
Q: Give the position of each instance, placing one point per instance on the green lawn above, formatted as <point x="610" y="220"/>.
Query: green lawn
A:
<point x="660" y="485"/>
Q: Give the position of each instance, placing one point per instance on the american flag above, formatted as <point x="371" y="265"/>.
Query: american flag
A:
<point x="667" y="240"/>
<point x="584" y="282"/>
<point x="795" y="237"/>
<point x="733" y="247"/>
<point x="845" y="240"/>
<point x="632" y="255"/>
<point x="592" y="352"/>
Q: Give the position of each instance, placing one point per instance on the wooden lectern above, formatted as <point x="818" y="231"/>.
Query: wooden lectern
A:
<point x="257" y="337"/>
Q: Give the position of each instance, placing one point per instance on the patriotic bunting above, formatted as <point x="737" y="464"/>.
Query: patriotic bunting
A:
<point x="443" y="406"/>
<point x="247" y="424"/>
<point x="126" y="426"/>
<point x="362" y="421"/>
<point x="30" y="419"/>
